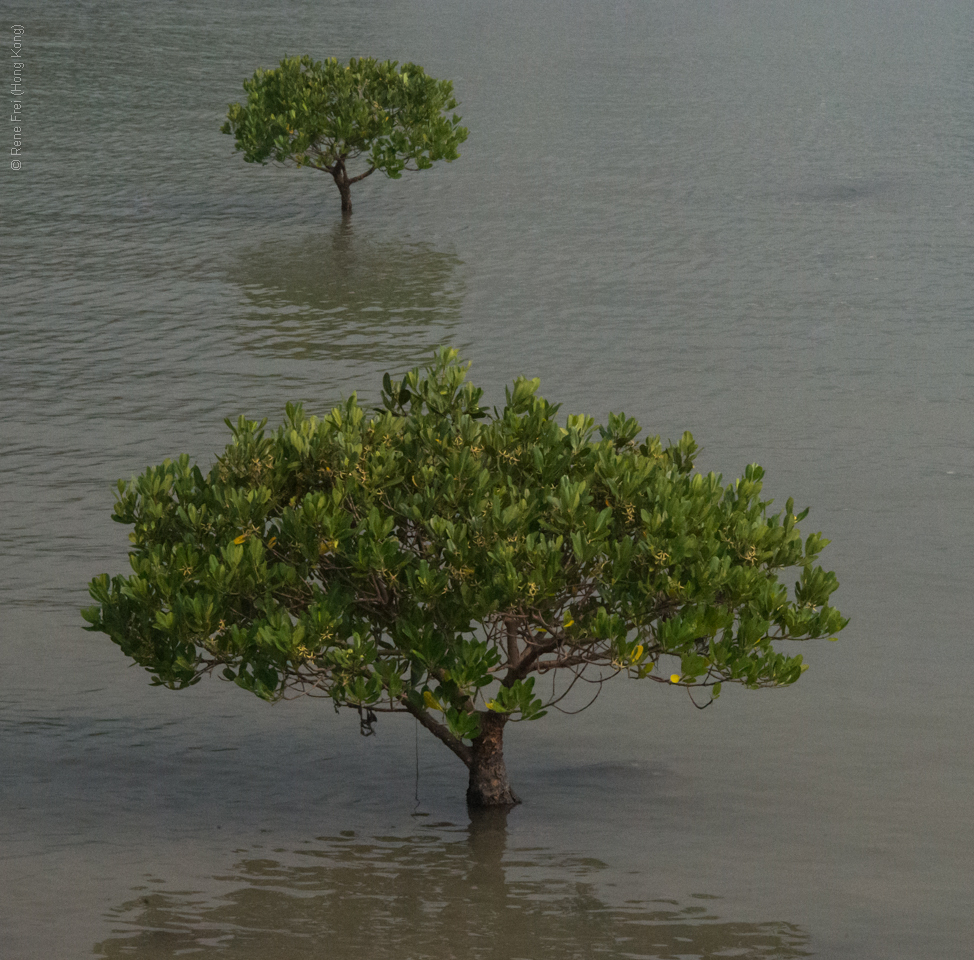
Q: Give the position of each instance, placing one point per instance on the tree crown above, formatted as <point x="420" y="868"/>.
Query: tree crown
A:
<point x="435" y="556"/>
<point x="319" y="113"/>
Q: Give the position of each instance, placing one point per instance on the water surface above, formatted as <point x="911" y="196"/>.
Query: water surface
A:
<point x="751" y="220"/>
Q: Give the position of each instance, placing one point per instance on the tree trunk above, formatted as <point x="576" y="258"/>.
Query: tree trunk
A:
<point x="344" y="185"/>
<point x="346" y="191"/>
<point x="489" y="786"/>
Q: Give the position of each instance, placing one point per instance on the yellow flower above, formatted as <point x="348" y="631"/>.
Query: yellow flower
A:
<point x="674" y="678"/>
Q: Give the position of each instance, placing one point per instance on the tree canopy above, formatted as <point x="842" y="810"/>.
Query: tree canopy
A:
<point x="327" y="116"/>
<point x="433" y="557"/>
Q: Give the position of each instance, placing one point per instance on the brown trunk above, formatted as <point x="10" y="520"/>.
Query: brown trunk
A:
<point x="346" y="191"/>
<point x="344" y="185"/>
<point x="489" y="786"/>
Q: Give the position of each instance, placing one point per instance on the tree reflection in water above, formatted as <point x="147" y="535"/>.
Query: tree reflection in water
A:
<point x="345" y="293"/>
<point x="453" y="894"/>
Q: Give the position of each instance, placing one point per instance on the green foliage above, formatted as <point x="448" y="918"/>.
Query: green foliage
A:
<point x="323" y="114"/>
<point x="434" y="557"/>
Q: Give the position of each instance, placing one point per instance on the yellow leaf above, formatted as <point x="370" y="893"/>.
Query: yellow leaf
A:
<point x="637" y="653"/>
<point x="674" y="678"/>
<point x="241" y="538"/>
<point x="272" y="541"/>
<point x="431" y="702"/>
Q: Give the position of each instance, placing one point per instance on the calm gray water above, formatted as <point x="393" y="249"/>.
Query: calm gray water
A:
<point x="754" y="220"/>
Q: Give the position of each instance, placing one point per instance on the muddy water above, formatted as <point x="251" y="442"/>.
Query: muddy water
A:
<point x="752" y="220"/>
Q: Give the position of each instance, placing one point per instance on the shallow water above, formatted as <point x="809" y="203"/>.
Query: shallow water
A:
<point x="751" y="220"/>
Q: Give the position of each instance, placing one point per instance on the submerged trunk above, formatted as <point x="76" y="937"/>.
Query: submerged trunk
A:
<point x="489" y="786"/>
<point x="344" y="185"/>
<point x="346" y="191"/>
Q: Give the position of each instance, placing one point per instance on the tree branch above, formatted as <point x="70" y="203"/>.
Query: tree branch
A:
<point x="522" y="667"/>
<point x="441" y="732"/>
<point x="362" y="176"/>
<point x="543" y="666"/>
<point x="513" y="653"/>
